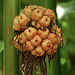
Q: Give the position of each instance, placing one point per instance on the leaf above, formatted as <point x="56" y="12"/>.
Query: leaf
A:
<point x="1" y="46"/>
<point x="47" y="65"/>
<point x="39" y="69"/>
<point x="65" y="66"/>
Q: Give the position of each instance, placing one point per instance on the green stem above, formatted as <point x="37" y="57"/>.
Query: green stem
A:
<point x="47" y="65"/>
<point x="1" y="19"/>
<point x="10" y="58"/>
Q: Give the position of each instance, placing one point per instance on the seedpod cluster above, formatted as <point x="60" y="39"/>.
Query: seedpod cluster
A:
<point x="37" y="35"/>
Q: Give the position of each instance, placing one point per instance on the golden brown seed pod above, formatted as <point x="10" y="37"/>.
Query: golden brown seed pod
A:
<point x="36" y="24"/>
<point x="33" y="52"/>
<point x="22" y="38"/>
<point x="50" y="14"/>
<point x="43" y="9"/>
<point x="19" y="47"/>
<point x="43" y="33"/>
<point x="53" y="38"/>
<point x="53" y="16"/>
<point x="45" y="21"/>
<point x="54" y="28"/>
<point x="38" y="51"/>
<point x="16" y="25"/>
<point x="55" y="47"/>
<point x="59" y="41"/>
<point x="59" y="35"/>
<point x="58" y="30"/>
<point x="36" y="40"/>
<point x="53" y="22"/>
<point x="23" y="19"/>
<point x="28" y="11"/>
<point x="28" y="46"/>
<point x="36" y="15"/>
<point x="46" y="45"/>
<point x="30" y="33"/>
<point x="16" y="44"/>
<point x="37" y="31"/>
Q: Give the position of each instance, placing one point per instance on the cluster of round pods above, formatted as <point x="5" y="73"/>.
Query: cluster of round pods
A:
<point x="36" y="31"/>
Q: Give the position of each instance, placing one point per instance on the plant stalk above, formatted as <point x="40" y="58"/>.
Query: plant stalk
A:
<point x="10" y="56"/>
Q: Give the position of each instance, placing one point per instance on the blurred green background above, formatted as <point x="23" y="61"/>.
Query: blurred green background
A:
<point x="65" y="10"/>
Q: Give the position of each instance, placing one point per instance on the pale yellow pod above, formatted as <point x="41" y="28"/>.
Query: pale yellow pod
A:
<point x="36" y="24"/>
<point x="30" y="33"/>
<point x="36" y="40"/>
<point x="43" y="33"/>
<point x="46" y="45"/>
<point x="45" y="21"/>
<point x="28" y="11"/>
<point x="16" y="25"/>
<point x="36" y="15"/>
<point x="53" y="37"/>
<point x="22" y="38"/>
<point x="23" y="20"/>
<point x="28" y="46"/>
<point x="38" y="51"/>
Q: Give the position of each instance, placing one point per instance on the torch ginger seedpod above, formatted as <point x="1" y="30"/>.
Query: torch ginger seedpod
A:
<point x="37" y="31"/>
<point x="37" y="36"/>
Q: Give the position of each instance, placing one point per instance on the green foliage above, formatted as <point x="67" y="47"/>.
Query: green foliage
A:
<point x="47" y="65"/>
<point x="1" y="46"/>
<point x="67" y="22"/>
<point x="65" y="66"/>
